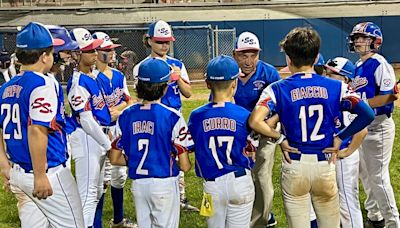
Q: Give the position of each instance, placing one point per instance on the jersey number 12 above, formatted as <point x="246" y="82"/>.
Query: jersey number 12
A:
<point x="303" y="118"/>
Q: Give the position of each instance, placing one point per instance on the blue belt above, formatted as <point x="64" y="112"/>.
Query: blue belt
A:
<point x="320" y="156"/>
<point x="238" y="173"/>
<point x="26" y="170"/>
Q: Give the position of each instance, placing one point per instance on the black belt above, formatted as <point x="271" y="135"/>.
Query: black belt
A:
<point x="320" y="156"/>
<point x="238" y="173"/>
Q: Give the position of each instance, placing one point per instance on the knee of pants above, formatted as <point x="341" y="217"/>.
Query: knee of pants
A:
<point x="118" y="177"/>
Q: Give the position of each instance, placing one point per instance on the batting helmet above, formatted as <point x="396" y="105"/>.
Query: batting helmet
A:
<point x="62" y="33"/>
<point x="367" y="29"/>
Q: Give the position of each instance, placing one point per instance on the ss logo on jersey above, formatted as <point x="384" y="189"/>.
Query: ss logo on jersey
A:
<point x="44" y="107"/>
<point x="183" y="133"/>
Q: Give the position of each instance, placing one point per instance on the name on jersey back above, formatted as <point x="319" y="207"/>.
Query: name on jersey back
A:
<point x="309" y="92"/>
<point x="143" y="127"/>
<point x="219" y="123"/>
<point x="12" y="91"/>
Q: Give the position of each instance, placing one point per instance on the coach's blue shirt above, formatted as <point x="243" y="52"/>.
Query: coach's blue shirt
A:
<point x="32" y="99"/>
<point x="220" y="131"/>
<point x="248" y="94"/>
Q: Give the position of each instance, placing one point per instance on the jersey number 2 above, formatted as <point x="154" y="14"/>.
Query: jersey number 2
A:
<point x="12" y="113"/>
<point x="303" y="117"/>
<point x="143" y="144"/>
<point x="213" y="147"/>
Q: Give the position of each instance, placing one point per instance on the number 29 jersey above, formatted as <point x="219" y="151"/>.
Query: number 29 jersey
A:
<point x="220" y="131"/>
<point x="151" y="136"/>
<point x="308" y="106"/>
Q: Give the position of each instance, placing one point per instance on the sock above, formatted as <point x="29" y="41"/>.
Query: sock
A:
<point x="117" y="195"/>
<point x="99" y="213"/>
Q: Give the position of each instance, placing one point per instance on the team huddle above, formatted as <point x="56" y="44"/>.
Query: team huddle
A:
<point x="332" y="121"/>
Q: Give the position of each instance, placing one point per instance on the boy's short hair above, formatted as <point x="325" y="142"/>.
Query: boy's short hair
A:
<point x="219" y="85"/>
<point x="302" y="46"/>
<point x="150" y="91"/>
<point x="31" y="56"/>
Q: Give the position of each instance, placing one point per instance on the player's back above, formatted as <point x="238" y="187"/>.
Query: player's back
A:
<point x="147" y="134"/>
<point x="219" y="131"/>
<point x="22" y="103"/>
<point x="307" y="105"/>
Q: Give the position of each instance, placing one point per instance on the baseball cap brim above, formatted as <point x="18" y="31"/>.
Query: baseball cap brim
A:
<point x="95" y="44"/>
<point x="248" y="49"/>
<point x="58" y="42"/>
<point x="171" y="38"/>
<point x="112" y="46"/>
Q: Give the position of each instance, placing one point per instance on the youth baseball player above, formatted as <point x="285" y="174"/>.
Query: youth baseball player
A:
<point x="90" y="141"/>
<point x="307" y="105"/>
<point x="158" y="39"/>
<point x="347" y="168"/>
<point x="219" y="130"/>
<point x="115" y="90"/>
<point x="375" y="82"/>
<point x="152" y="134"/>
<point x="256" y="75"/>
<point x="32" y="123"/>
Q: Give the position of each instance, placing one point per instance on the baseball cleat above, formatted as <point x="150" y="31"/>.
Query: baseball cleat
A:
<point x="125" y="223"/>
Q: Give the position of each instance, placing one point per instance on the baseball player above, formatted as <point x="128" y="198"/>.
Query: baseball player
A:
<point x="219" y="130"/>
<point x="33" y="130"/>
<point x="91" y="139"/>
<point x="347" y="168"/>
<point x="375" y="82"/>
<point x="115" y="90"/>
<point x="307" y="105"/>
<point x="5" y="62"/>
<point x="158" y="39"/>
<point x="256" y="75"/>
<point x="152" y="134"/>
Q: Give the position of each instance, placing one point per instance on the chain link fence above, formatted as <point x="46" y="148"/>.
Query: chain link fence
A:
<point x="194" y="45"/>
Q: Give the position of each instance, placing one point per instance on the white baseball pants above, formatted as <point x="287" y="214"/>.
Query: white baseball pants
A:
<point x="62" y="209"/>
<point x="347" y="170"/>
<point x="157" y="202"/>
<point x="89" y="160"/>
<point x="232" y="199"/>
<point x="375" y="156"/>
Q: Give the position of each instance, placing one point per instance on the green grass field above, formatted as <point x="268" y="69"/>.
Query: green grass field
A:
<point x="9" y="214"/>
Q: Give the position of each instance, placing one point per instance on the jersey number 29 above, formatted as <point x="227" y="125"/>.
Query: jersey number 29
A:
<point x="13" y="114"/>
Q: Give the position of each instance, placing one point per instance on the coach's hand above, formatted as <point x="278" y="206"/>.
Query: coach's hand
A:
<point x="286" y="149"/>
<point x="42" y="188"/>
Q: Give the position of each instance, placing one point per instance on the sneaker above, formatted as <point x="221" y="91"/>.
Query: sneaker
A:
<point x="185" y="206"/>
<point x="125" y="223"/>
<point x="374" y="224"/>
<point x="271" y="220"/>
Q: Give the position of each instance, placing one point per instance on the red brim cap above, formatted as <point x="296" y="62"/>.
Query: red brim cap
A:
<point x="248" y="49"/>
<point x="58" y="42"/>
<point x="95" y="44"/>
<point x="110" y="47"/>
<point x="171" y="38"/>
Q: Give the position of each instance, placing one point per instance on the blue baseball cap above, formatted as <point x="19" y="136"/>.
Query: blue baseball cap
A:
<point x="342" y="66"/>
<point x="36" y="36"/>
<point x="222" y="68"/>
<point x="321" y="60"/>
<point x="160" y="31"/>
<point x="62" y="33"/>
<point x="154" y="70"/>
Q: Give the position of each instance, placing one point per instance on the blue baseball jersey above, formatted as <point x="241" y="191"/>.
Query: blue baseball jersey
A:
<point x="32" y="99"/>
<point x="220" y="131"/>
<point x="247" y="94"/>
<point x="84" y="94"/>
<point x="151" y="136"/>
<point x="343" y="121"/>
<point x="172" y="97"/>
<point x="115" y="89"/>
<point x="308" y="105"/>
<point x="374" y="77"/>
